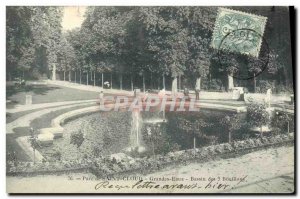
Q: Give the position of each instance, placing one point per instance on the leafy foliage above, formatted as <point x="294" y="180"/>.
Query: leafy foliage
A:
<point x="257" y="114"/>
<point x="157" y="140"/>
<point x="193" y="127"/>
<point x="280" y="121"/>
<point x="170" y="41"/>
<point x="77" y="139"/>
<point x="33" y="34"/>
<point x="104" y="167"/>
<point x="231" y="124"/>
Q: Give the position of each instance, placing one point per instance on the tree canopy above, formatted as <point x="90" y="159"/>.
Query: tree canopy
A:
<point x="169" y="41"/>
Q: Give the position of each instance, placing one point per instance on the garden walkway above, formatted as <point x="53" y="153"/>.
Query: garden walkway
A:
<point x="267" y="171"/>
<point x="21" y="108"/>
<point x="24" y="121"/>
<point x="210" y="100"/>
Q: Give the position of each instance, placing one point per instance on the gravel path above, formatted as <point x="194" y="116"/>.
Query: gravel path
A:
<point x="258" y="166"/>
<point x="266" y="171"/>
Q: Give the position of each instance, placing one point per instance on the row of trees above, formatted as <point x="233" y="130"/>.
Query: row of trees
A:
<point x="136" y="42"/>
<point x="144" y="41"/>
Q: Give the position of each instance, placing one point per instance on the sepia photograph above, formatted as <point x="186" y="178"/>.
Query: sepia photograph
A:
<point x="150" y="100"/>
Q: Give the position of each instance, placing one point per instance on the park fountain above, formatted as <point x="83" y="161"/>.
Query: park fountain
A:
<point x="136" y="139"/>
<point x="135" y="132"/>
<point x="136" y="127"/>
<point x="160" y="117"/>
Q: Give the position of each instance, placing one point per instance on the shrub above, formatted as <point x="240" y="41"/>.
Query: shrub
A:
<point x="258" y="142"/>
<point x="228" y="147"/>
<point x="105" y="167"/>
<point x="231" y="124"/>
<point x="284" y="89"/>
<point x="96" y="151"/>
<point x="57" y="154"/>
<point x="264" y="85"/>
<point x="175" y="147"/>
<point x="265" y="140"/>
<point x="12" y="156"/>
<point x="280" y="122"/>
<point x="211" y="140"/>
<point x="257" y="115"/>
<point x="77" y="139"/>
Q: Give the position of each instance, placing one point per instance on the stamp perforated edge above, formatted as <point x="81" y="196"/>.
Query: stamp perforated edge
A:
<point x="265" y="19"/>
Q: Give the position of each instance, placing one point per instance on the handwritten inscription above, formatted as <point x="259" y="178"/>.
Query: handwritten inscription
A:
<point x="211" y="183"/>
<point x="163" y="183"/>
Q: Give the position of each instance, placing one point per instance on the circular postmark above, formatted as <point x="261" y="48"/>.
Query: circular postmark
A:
<point x="241" y="56"/>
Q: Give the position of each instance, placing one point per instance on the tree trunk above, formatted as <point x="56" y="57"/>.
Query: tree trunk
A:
<point x="230" y="82"/>
<point x="286" y="77"/>
<point x="153" y="148"/>
<point x="174" y="86"/>
<point x="33" y="155"/>
<point x="288" y="127"/>
<point x="64" y="75"/>
<point x="70" y="73"/>
<point x="111" y="81"/>
<point x="144" y="86"/>
<point x="102" y="80"/>
<point x="54" y="72"/>
<point x="75" y="76"/>
<point x="164" y="83"/>
<point x="229" y="137"/>
<point x="194" y="143"/>
<point x="121" y="81"/>
<point x="261" y="131"/>
<point x="209" y="80"/>
<point x="94" y="78"/>
<point x="87" y="78"/>
<point x="131" y="82"/>
<point x="254" y="81"/>
<point x="198" y="83"/>
<point x="179" y="82"/>
<point x="151" y="80"/>
<point x="80" y="77"/>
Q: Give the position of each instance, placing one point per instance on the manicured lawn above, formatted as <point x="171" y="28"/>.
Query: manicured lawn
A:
<point x="41" y="94"/>
<point x="13" y="116"/>
<point x="45" y="120"/>
<point x="46" y="93"/>
<point x="13" y="146"/>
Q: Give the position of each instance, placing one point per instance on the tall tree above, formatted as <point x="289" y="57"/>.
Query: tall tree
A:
<point x="18" y="36"/>
<point x="46" y="33"/>
<point x="33" y="34"/>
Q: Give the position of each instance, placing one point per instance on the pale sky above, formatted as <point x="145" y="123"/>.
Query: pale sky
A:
<point x="73" y="17"/>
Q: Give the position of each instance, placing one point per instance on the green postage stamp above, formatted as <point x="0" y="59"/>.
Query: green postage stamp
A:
<point x="238" y="32"/>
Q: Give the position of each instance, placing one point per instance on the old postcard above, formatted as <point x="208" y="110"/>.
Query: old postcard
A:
<point x="150" y="99"/>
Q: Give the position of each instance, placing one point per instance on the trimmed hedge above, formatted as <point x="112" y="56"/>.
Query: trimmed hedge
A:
<point x="103" y="167"/>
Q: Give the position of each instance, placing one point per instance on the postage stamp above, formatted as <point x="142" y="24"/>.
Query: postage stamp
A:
<point x="246" y="42"/>
<point x="240" y="64"/>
